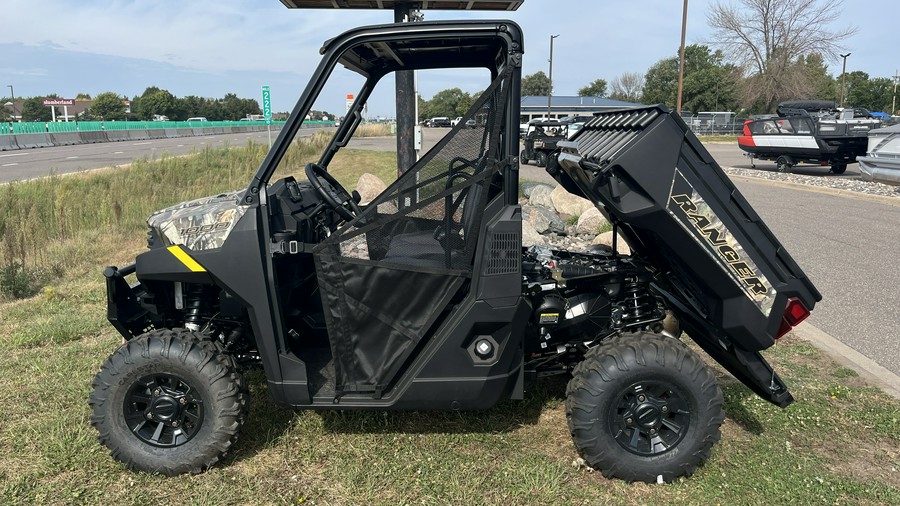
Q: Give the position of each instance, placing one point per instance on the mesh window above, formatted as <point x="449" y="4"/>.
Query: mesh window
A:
<point x="387" y="275"/>
<point x="429" y="218"/>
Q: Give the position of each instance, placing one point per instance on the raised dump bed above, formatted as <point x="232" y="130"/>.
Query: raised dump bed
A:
<point x="676" y="207"/>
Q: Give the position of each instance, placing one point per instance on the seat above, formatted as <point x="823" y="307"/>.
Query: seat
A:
<point x="444" y="247"/>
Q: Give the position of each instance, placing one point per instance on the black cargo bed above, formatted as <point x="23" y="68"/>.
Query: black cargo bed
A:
<point x="676" y="207"/>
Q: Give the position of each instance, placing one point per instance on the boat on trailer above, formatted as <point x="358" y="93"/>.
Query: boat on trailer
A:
<point x="882" y="161"/>
<point x="808" y="131"/>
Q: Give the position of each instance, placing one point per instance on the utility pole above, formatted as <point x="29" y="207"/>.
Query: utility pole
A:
<point x="844" y="76"/>
<point x="894" y="101"/>
<point x="681" y="58"/>
<point x="550" y="91"/>
<point x="405" y="12"/>
<point x="13" y="93"/>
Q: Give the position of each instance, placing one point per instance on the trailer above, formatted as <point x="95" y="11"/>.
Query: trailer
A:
<point x="808" y="131"/>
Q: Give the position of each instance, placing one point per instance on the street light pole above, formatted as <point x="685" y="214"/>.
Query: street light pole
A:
<point x="13" y="93"/>
<point x="844" y="76"/>
<point x="550" y="91"/>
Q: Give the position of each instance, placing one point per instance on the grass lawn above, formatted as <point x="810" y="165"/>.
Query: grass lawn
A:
<point x="838" y="444"/>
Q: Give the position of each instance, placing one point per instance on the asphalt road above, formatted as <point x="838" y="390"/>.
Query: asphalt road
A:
<point x="40" y="162"/>
<point x="846" y="245"/>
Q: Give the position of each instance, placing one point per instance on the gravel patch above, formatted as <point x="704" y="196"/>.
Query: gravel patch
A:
<point x="853" y="184"/>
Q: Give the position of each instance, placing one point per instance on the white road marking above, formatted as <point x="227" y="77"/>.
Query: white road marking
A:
<point x="181" y="145"/>
<point x="141" y="143"/>
<point x="71" y="157"/>
<point x="8" y="164"/>
<point x="118" y="152"/>
<point x="14" y="154"/>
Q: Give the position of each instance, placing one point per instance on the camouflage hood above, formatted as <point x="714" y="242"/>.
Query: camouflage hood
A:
<point x="199" y="224"/>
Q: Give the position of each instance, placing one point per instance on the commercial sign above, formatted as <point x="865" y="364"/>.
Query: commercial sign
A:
<point x="59" y="101"/>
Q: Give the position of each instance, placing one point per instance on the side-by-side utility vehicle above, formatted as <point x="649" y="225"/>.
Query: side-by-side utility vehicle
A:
<point x="426" y="299"/>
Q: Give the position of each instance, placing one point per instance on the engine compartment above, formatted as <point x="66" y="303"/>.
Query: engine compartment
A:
<point x="580" y="299"/>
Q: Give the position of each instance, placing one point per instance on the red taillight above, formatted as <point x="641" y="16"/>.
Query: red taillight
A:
<point x="794" y="313"/>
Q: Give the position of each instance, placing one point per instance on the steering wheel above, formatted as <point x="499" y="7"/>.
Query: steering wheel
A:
<point x="332" y="192"/>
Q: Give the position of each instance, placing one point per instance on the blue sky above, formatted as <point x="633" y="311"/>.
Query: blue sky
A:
<point x="212" y="47"/>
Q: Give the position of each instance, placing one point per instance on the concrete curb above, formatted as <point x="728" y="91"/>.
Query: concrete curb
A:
<point x="867" y="368"/>
<point x="891" y="201"/>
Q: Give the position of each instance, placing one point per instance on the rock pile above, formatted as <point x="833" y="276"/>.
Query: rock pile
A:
<point x="556" y="218"/>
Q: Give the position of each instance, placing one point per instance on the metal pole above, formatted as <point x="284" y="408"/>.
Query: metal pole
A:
<point x="406" y="101"/>
<point x="681" y="58"/>
<point x="13" y="93"/>
<point x="550" y="90"/>
<point x="844" y="76"/>
<point x="894" y="101"/>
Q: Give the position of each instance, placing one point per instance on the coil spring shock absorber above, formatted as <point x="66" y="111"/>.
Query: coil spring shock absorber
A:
<point x="194" y="298"/>
<point x="638" y="305"/>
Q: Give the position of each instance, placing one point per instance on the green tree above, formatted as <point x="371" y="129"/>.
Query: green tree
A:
<point x="873" y="94"/>
<point x="107" y="106"/>
<point x="235" y="108"/>
<point x="33" y="109"/>
<point x="661" y="83"/>
<point x="422" y="108"/>
<point x="767" y="37"/>
<point x="192" y="106"/>
<point x="822" y="86"/>
<point x="451" y="103"/>
<point x="709" y="83"/>
<point x="597" y="88"/>
<point x="154" y="101"/>
<point x="83" y="96"/>
<point x="536" y="85"/>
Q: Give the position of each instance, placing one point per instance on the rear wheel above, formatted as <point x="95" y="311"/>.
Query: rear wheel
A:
<point x="784" y="164"/>
<point x="168" y="402"/>
<point x="838" y="168"/>
<point x="523" y="159"/>
<point x="541" y="159"/>
<point x="643" y="407"/>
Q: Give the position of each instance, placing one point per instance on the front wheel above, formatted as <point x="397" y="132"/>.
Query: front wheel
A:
<point x="168" y="402"/>
<point x="541" y="159"/>
<point x="644" y="407"/>
<point x="838" y="168"/>
<point x="523" y="158"/>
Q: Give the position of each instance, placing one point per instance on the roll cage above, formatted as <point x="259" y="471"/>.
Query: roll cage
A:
<point x="376" y="51"/>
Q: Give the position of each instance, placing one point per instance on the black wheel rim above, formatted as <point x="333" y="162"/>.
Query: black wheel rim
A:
<point x="163" y="410"/>
<point x="650" y="417"/>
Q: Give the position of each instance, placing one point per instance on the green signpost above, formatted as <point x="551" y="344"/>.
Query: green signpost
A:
<point x="267" y="110"/>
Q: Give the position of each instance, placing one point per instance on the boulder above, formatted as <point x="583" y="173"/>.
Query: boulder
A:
<point x="527" y="188"/>
<point x="530" y="236"/>
<point x="590" y="222"/>
<point x="605" y="239"/>
<point x="540" y="196"/>
<point x="369" y="186"/>
<point x="542" y="219"/>
<point x="568" y="204"/>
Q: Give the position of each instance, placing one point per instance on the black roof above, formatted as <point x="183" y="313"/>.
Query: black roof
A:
<point x="471" y="5"/>
<point x="382" y="49"/>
